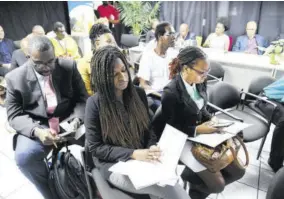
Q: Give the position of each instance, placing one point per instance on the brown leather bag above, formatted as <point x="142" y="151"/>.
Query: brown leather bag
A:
<point x="218" y="158"/>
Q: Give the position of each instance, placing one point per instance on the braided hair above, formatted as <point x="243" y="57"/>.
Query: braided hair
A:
<point x="112" y="120"/>
<point x="98" y="30"/>
<point x="187" y="57"/>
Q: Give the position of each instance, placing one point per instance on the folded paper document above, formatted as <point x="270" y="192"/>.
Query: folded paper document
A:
<point x="165" y="172"/>
<point x="215" y="139"/>
<point x="79" y="132"/>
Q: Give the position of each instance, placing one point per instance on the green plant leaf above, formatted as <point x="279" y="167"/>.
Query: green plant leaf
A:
<point x="138" y="15"/>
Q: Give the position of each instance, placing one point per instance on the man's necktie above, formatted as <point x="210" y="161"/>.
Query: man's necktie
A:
<point x="51" y="100"/>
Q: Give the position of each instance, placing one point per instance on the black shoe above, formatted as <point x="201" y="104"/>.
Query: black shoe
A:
<point x="274" y="166"/>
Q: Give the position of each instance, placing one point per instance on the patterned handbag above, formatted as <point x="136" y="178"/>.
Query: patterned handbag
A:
<point x="218" y="158"/>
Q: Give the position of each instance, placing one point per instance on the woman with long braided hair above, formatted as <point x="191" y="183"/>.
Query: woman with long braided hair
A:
<point x="117" y="123"/>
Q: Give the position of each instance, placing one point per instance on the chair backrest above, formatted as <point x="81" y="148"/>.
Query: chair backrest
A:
<point x="128" y="40"/>
<point x="258" y="84"/>
<point x="275" y="190"/>
<point x="158" y="123"/>
<point x="224" y="95"/>
<point x="17" y="44"/>
<point x="216" y="70"/>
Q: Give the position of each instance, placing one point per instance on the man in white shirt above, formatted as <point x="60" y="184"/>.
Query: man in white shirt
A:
<point x="154" y="65"/>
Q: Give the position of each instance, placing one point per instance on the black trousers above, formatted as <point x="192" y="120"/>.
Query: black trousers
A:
<point x="277" y="144"/>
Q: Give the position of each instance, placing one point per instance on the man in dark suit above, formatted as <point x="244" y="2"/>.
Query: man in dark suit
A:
<point x="6" y="49"/>
<point x="40" y="94"/>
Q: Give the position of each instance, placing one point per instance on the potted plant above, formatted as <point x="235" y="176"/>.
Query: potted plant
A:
<point x="138" y="15"/>
<point x="275" y="51"/>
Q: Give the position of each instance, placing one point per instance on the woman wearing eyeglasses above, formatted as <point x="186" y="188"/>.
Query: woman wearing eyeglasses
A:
<point x="184" y="107"/>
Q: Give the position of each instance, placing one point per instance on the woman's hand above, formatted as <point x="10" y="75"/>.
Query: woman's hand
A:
<point x="148" y="155"/>
<point x="205" y="128"/>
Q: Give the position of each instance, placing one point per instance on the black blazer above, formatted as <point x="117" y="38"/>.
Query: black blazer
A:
<point x="105" y="154"/>
<point x="18" y="59"/>
<point x="179" y="110"/>
<point x="26" y="107"/>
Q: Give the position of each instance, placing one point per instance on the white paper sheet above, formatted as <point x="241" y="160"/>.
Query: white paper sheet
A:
<point x="144" y="174"/>
<point x="215" y="139"/>
<point x="80" y="131"/>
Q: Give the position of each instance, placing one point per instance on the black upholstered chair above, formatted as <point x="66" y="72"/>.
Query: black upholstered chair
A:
<point x="216" y="74"/>
<point x="256" y="88"/>
<point x="228" y="97"/>
<point x="128" y="40"/>
<point x="276" y="187"/>
<point x="97" y="184"/>
<point x="216" y="71"/>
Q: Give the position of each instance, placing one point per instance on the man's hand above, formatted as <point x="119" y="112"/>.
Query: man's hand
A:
<point x="75" y="124"/>
<point x="45" y="136"/>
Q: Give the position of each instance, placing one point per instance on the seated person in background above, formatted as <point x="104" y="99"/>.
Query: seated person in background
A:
<point x="151" y="33"/>
<point x="7" y="48"/>
<point x="20" y="56"/>
<point x="184" y="107"/>
<point x="100" y="36"/>
<point x="218" y="39"/>
<point x="276" y="156"/>
<point x="64" y="45"/>
<point x="40" y="94"/>
<point x="248" y="43"/>
<point x="117" y="123"/>
<point x="38" y="31"/>
<point x="184" y="34"/>
<point x="154" y="65"/>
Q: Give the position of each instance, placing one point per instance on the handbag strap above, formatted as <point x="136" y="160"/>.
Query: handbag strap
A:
<point x="246" y="153"/>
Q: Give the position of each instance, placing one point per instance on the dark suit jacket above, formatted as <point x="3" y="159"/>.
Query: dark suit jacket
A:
<point x="11" y="47"/>
<point x="179" y="110"/>
<point x="18" y="59"/>
<point x="26" y="107"/>
<point x="105" y="154"/>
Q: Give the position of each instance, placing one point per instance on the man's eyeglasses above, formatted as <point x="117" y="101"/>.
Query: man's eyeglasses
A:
<point x="201" y="73"/>
<point x="43" y="65"/>
<point x="169" y="34"/>
<point x="50" y="62"/>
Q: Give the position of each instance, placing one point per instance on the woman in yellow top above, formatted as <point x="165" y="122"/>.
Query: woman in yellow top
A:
<point x="64" y="45"/>
<point x="100" y="36"/>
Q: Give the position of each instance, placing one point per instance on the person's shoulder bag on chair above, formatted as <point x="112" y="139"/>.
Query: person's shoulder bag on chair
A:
<point x="66" y="177"/>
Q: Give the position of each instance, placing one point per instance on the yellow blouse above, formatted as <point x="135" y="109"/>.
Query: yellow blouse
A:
<point x="66" y="47"/>
<point x="84" y="69"/>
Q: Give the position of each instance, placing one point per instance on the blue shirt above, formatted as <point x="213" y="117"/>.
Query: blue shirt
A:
<point x="6" y="51"/>
<point x="242" y="43"/>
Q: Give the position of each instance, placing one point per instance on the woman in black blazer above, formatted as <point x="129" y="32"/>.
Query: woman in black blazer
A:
<point x="117" y="123"/>
<point x="184" y="107"/>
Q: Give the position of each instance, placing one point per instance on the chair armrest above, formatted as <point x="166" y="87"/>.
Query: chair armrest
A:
<point x="224" y="112"/>
<point x="264" y="100"/>
<point x="213" y="77"/>
<point x="259" y="98"/>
